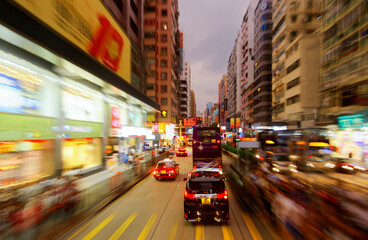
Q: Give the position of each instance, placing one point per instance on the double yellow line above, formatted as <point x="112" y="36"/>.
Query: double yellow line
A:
<point x="107" y="220"/>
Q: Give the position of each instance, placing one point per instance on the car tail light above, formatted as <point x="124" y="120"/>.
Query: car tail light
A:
<point x="185" y="216"/>
<point x="214" y="147"/>
<point x="218" y="141"/>
<point x="220" y="168"/>
<point x="222" y="195"/>
<point x="194" y="142"/>
<point x="189" y="195"/>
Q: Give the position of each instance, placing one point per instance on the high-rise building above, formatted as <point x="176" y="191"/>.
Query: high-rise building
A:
<point x="223" y="99"/>
<point x="193" y="105"/>
<point x="161" y="44"/>
<point x="185" y="80"/>
<point x="247" y="64"/>
<point x="344" y="62"/>
<point x="295" y="62"/>
<point x="232" y="84"/>
<point x="261" y="95"/>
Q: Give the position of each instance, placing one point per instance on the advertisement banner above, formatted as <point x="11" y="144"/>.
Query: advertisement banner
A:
<point x="237" y="122"/>
<point x="90" y="27"/>
<point x="232" y="122"/>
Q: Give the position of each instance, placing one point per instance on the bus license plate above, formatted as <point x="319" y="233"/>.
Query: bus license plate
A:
<point x="206" y="200"/>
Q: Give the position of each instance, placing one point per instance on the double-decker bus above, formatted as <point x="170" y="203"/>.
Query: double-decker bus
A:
<point x="206" y="147"/>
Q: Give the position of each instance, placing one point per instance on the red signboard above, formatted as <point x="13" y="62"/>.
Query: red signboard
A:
<point x="190" y="122"/>
<point x="115" y="117"/>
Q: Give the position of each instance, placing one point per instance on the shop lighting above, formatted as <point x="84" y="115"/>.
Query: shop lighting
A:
<point x="318" y="144"/>
<point x="275" y="169"/>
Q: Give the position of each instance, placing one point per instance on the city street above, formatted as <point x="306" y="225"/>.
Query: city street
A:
<point x="154" y="210"/>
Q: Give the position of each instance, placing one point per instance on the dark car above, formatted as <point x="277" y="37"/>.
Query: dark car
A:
<point x="181" y="152"/>
<point x="166" y="169"/>
<point x="205" y="198"/>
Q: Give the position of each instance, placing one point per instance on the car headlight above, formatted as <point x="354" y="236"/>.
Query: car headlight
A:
<point x="347" y="167"/>
<point x="329" y="165"/>
<point x="292" y="165"/>
<point x="310" y="165"/>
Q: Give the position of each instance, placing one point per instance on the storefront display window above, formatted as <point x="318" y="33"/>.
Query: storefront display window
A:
<point x="25" y="160"/>
<point x="81" y="153"/>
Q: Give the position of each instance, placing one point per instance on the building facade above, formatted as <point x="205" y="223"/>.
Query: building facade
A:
<point x="344" y="70"/>
<point x="193" y="105"/>
<point x="66" y="110"/>
<point x="185" y="80"/>
<point x="223" y="99"/>
<point x="247" y="65"/>
<point x="161" y="44"/>
<point x="262" y="52"/>
<point x="295" y="62"/>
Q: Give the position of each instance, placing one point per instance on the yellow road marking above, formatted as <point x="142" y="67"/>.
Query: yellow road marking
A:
<point x="173" y="231"/>
<point x="226" y="233"/>
<point x="270" y="230"/>
<point x="252" y="228"/>
<point x="123" y="227"/>
<point x="199" y="235"/>
<point x="147" y="228"/>
<point x="91" y="234"/>
<point x="81" y="229"/>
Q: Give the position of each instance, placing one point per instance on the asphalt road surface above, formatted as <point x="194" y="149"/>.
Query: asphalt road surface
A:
<point x="154" y="210"/>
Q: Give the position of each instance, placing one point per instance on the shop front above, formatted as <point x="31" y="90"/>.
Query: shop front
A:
<point x="350" y="137"/>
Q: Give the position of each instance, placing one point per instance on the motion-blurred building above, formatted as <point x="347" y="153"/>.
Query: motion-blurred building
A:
<point x="161" y="44"/>
<point x="295" y="62"/>
<point x="223" y="100"/>
<point x="344" y="59"/>
<point x="71" y="87"/>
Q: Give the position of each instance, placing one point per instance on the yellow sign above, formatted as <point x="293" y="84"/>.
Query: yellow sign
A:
<point x="164" y="113"/>
<point x="90" y="27"/>
<point x="318" y="144"/>
<point x="270" y="142"/>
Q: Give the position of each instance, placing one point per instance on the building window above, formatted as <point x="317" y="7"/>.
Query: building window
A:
<point x="293" y="66"/>
<point x="149" y="35"/>
<point x="292" y="100"/>
<point x="133" y="6"/>
<point x="163" y="101"/>
<point x="119" y="4"/>
<point x="153" y="73"/>
<point x="149" y="9"/>
<point x="149" y="22"/>
<point x="163" y="88"/>
<point x="292" y="83"/>
<point x="164" y="13"/>
<point x="164" y="25"/>
<point x="151" y="61"/>
<point x="134" y="27"/>
<point x="164" y="1"/>
<point x="149" y="48"/>
<point x="151" y="86"/>
<point x="164" y="51"/>
<point x="163" y="76"/>
<point x="164" y="38"/>
<point x="293" y="18"/>
<point x="164" y="63"/>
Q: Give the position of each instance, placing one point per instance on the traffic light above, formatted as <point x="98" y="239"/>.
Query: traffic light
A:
<point x="164" y="113"/>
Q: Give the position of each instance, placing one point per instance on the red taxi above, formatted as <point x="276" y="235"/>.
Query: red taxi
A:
<point x="181" y="152"/>
<point x="166" y="169"/>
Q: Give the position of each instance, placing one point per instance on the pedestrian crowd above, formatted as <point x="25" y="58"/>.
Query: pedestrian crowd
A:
<point x="25" y="208"/>
<point x="303" y="210"/>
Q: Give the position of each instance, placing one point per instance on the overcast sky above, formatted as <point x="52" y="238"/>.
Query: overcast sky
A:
<point x="209" y="31"/>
